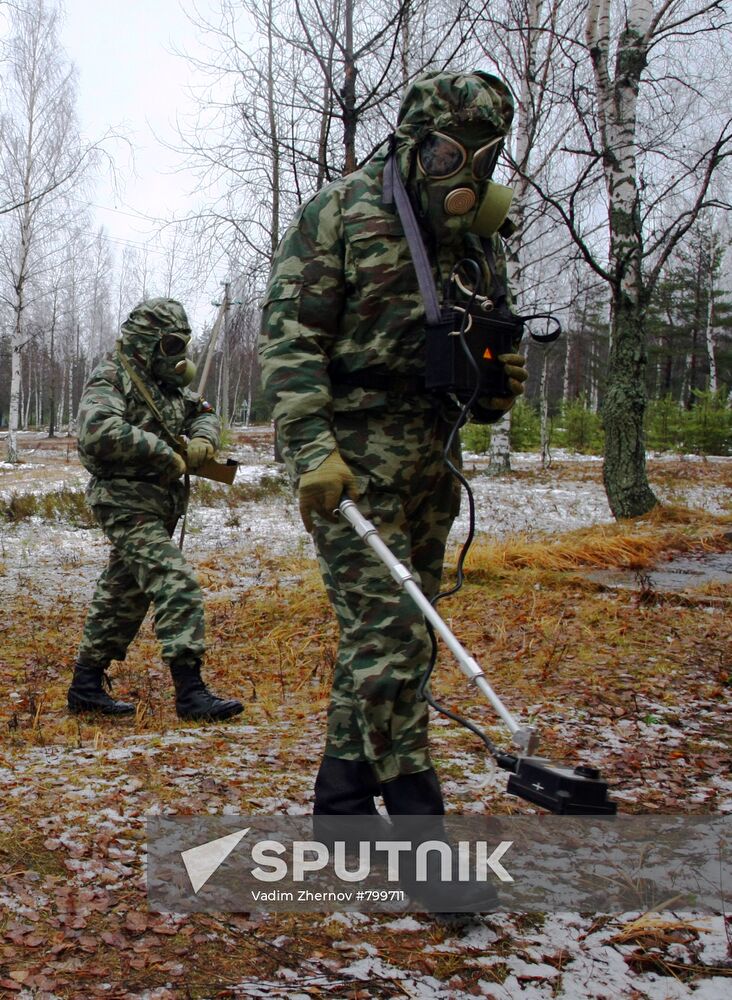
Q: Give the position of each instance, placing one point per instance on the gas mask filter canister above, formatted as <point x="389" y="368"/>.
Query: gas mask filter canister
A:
<point x="493" y="210"/>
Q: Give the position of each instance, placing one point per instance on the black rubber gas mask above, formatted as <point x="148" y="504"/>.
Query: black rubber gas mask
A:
<point x="452" y="176"/>
<point x="170" y="365"/>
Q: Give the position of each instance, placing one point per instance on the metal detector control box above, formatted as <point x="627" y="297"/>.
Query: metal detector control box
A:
<point x="566" y="791"/>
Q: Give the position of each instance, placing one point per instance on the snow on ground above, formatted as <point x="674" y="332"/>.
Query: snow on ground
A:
<point x="32" y="549"/>
<point x="569" y="955"/>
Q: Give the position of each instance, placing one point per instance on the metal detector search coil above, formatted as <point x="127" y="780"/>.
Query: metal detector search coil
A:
<point x="561" y="790"/>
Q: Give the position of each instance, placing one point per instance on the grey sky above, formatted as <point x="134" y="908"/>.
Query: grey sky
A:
<point x="130" y="79"/>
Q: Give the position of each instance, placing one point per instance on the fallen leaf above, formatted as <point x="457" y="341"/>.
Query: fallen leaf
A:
<point x="136" y="921"/>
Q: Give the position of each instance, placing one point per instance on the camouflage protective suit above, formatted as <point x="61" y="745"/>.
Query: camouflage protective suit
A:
<point x="343" y="307"/>
<point x="137" y="495"/>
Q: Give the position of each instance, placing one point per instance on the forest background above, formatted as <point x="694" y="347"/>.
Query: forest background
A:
<point x="618" y="159"/>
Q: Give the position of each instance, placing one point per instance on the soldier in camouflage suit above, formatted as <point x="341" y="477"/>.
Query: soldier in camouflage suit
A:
<point x="342" y="349"/>
<point x="133" y="406"/>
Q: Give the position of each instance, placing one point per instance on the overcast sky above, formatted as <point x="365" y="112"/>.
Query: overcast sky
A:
<point x="130" y="79"/>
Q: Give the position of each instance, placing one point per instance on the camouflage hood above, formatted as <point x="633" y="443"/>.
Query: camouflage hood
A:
<point x="443" y="101"/>
<point x="143" y="328"/>
<point x="471" y="112"/>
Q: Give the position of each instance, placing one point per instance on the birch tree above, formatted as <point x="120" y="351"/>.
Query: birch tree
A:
<point x="301" y="92"/>
<point x="652" y="135"/>
<point x="520" y="51"/>
<point x="41" y="156"/>
<point x="523" y="40"/>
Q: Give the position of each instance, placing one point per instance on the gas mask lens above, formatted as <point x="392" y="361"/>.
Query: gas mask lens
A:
<point x="484" y="160"/>
<point x="440" y="156"/>
<point x="173" y="344"/>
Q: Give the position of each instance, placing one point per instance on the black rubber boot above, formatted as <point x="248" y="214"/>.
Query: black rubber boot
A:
<point x="415" y="803"/>
<point x="414" y="795"/>
<point x="346" y="788"/>
<point x="87" y="692"/>
<point x="193" y="700"/>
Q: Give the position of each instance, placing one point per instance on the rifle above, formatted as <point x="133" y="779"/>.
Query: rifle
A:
<point x="219" y="472"/>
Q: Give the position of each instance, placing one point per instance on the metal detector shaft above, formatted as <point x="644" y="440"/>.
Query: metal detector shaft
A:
<point x="524" y="737"/>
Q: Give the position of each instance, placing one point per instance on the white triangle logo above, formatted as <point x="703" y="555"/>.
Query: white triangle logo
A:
<point x="201" y="862"/>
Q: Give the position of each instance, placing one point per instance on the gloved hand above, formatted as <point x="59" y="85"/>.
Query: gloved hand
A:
<point x="199" y="449"/>
<point x="515" y="368"/>
<point x="176" y="468"/>
<point x="320" y="490"/>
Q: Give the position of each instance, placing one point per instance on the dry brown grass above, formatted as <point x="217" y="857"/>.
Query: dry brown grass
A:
<point x="549" y="641"/>
<point x="632" y="544"/>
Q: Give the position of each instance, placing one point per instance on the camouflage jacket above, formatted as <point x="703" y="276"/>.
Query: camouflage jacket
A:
<point x="122" y="444"/>
<point x="343" y="298"/>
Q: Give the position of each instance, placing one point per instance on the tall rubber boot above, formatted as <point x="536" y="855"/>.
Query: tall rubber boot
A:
<point x="419" y="795"/>
<point x="193" y="700"/>
<point x="87" y="692"/>
<point x="347" y="788"/>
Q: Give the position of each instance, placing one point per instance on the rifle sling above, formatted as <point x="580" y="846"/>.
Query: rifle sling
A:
<point x="149" y="401"/>
<point x="167" y="433"/>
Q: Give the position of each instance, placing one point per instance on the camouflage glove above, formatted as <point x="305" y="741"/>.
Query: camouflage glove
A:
<point x="320" y="491"/>
<point x="175" y="468"/>
<point x="515" y="367"/>
<point x="198" y="451"/>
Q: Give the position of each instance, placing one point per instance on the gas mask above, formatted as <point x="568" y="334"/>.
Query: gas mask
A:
<point x="170" y="365"/>
<point x="453" y="181"/>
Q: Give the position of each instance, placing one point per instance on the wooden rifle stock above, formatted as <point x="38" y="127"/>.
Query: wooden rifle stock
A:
<point x="219" y="472"/>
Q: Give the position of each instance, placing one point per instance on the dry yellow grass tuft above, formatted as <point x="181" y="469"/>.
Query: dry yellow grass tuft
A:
<point x="631" y="544"/>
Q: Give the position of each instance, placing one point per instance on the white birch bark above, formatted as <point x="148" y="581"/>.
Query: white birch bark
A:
<point x="499" y="452"/>
<point x="709" y="324"/>
<point x="544" y="412"/>
<point x="15" y="394"/>
<point x="617" y="89"/>
<point x="70" y="397"/>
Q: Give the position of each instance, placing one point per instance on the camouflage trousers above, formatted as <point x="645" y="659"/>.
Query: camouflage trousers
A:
<point x="144" y="567"/>
<point x="375" y="713"/>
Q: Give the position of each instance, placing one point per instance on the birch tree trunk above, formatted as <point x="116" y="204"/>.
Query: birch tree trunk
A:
<point x="274" y="237"/>
<point x="348" y="93"/>
<point x="14" y="406"/>
<point x="70" y="398"/>
<point x="52" y="372"/>
<point x="40" y="156"/>
<point x="544" y="413"/>
<point x="709" y="324"/>
<point x="499" y="452"/>
<point x="624" y="470"/>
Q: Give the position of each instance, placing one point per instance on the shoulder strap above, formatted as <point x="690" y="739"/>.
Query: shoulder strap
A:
<point x="149" y="401"/>
<point x="394" y="192"/>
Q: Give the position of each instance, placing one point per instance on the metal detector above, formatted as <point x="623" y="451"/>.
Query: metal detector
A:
<point x="563" y="790"/>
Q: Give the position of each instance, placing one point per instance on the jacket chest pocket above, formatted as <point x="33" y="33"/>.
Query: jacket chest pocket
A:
<point x="378" y="261"/>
